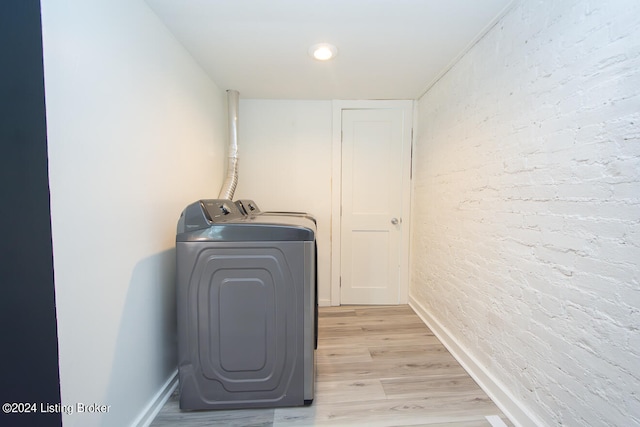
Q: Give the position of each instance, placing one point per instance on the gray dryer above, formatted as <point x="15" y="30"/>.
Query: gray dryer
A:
<point x="246" y="299"/>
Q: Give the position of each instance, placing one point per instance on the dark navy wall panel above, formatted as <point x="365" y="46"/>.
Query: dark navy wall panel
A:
<point x="29" y="343"/>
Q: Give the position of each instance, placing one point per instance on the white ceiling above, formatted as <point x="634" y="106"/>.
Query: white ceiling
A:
<point x="387" y="49"/>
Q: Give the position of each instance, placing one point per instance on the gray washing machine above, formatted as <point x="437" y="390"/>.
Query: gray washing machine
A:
<point x="246" y="302"/>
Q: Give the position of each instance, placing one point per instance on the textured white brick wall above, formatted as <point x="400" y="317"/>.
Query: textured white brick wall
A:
<point x="526" y="220"/>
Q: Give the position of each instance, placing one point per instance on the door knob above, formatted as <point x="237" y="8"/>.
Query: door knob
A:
<point x="394" y="221"/>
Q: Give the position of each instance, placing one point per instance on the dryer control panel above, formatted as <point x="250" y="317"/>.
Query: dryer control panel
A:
<point x="217" y="210"/>
<point x="203" y="213"/>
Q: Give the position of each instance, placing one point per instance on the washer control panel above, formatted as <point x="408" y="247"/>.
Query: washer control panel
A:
<point x="247" y="207"/>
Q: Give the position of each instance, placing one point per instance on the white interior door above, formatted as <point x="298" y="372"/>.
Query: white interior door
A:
<point x="375" y="148"/>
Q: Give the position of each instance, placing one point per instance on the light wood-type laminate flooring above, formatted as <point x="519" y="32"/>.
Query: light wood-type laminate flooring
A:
<point x="376" y="366"/>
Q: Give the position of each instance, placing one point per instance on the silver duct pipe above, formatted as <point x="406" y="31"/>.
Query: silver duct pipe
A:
<point x="230" y="182"/>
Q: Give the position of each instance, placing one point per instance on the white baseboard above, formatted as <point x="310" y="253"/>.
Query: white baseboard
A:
<point x="148" y="414"/>
<point x="512" y="408"/>
<point x="324" y="302"/>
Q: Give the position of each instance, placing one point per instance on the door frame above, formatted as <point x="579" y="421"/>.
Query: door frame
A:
<point x="336" y="192"/>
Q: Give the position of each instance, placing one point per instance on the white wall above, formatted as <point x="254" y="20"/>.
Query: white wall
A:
<point x="284" y="164"/>
<point x="527" y="204"/>
<point x="136" y="131"/>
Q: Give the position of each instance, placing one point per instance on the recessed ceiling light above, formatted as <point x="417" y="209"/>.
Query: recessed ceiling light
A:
<point x="323" y="51"/>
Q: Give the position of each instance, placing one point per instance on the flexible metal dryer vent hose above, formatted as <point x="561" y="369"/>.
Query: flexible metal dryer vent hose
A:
<point x="231" y="181"/>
